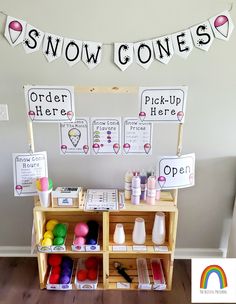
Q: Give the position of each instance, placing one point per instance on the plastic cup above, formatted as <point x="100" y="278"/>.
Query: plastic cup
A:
<point x="44" y="197"/>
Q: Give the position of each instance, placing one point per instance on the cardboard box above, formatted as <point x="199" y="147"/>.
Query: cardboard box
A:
<point x="67" y="197"/>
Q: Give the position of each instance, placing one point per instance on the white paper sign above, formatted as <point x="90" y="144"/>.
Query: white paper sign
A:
<point x="52" y="46"/>
<point x="202" y="36"/>
<point x="33" y="39"/>
<point x="14" y="30"/>
<point x="26" y="168"/>
<point x="144" y="53"/>
<point x="50" y="103"/>
<point x="183" y="44"/>
<point x="137" y="137"/>
<point x="123" y="55"/>
<point x="164" y="104"/>
<point x="106" y="136"/>
<point x="163" y="48"/>
<point x="74" y="137"/>
<point x="175" y="172"/>
<point x="92" y="53"/>
<point x="222" y="25"/>
<point x="72" y="51"/>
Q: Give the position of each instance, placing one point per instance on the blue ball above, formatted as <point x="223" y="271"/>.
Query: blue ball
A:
<point x="64" y="279"/>
<point x="91" y="241"/>
<point x="66" y="271"/>
<point x="66" y="262"/>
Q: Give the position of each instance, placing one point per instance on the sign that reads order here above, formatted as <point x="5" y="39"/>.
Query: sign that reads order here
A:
<point x="175" y="172"/>
<point x="50" y="103"/>
<point x="164" y="104"/>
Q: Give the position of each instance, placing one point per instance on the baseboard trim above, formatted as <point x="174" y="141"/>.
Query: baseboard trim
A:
<point x="16" y="251"/>
<point x="190" y="253"/>
<point x="180" y="253"/>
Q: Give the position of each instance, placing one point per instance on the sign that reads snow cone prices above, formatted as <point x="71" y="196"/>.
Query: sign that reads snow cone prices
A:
<point x="175" y="172"/>
<point x="50" y="103"/>
<point x="163" y="104"/>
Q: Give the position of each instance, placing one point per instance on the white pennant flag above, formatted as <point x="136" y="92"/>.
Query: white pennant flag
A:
<point x="52" y="46"/>
<point x="33" y="39"/>
<point x="92" y="53"/>
<point x="14" y="30"/>
<point x="222" y="25"/>
<point x="144" y="53"/>
<point x="202" y="35"/>
<point x="163" y="48"/>
<point x="123" y="55"/>
<point x="72" y="51"/>
<point x="182" y="42"/>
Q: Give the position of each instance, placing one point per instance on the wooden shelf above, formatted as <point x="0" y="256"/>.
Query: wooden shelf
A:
<point x="166" y="203"/>
<point x="107" y="222"/>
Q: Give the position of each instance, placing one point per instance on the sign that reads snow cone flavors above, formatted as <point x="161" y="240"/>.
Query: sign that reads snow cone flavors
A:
<point x="175" y="172"/>
<point x="163" y="104"/>
<point x="106" y="135"/>
<point x="50" y="103"/>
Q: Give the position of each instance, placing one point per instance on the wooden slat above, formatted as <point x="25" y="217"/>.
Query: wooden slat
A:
<point x="107" y="89"/>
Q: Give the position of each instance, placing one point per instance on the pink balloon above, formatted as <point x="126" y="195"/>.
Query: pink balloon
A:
<point x="15" y="25"/>
<point x="220" y="20"/>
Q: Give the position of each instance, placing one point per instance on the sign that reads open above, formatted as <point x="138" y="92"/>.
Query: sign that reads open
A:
<point x="50" y="103"/>
<point x="164" y="104"/>
<point x="175" y="172"/>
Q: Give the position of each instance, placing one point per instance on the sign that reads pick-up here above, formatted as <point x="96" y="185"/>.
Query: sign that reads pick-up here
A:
<point x="163" y="104"/>
<point x="50" y="103"/>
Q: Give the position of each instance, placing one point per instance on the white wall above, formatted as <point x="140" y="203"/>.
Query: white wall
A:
<point x="210" y="122"/>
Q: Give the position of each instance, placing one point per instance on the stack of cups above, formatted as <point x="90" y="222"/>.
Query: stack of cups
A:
<point x="136" y="190"/>
<point x="139" y="231"/>
<point x="151" y="190"/>
<point x="119" y="234"/>
<point x="44" y="187"/>
<point x="143" y="178"/>
<point x="128" y="183"/>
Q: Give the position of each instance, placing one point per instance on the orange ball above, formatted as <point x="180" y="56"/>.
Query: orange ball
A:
<point x="91" y="262"/>
<point x="82" y="274"/>
<point x="54" y="278"/>
<point x="54" y="259"/>
<point x="92" y="274"/>
<point x="56" y="270"/>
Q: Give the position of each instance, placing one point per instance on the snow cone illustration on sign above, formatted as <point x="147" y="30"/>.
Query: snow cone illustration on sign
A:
<point x="210" y="270"/>
<point x="74" y="136"/>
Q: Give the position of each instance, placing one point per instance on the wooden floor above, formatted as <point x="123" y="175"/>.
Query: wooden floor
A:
<point x="19" y="284"/>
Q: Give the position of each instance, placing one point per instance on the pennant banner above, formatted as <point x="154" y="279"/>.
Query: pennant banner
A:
<point x="162" y="48"/>
<point x="33" y="39"/>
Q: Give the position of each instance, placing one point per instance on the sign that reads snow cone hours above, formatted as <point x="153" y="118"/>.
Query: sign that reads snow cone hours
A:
<point x="163" y="104"/>
<point x="50" y="103"/>
<point x="175" y="172"/>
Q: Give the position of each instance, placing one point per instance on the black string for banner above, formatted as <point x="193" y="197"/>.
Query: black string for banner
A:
<point x="112" y="43"/>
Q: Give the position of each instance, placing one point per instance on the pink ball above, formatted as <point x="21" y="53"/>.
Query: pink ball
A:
<point x="81" y="229"/>
<point x="79" y="241"/>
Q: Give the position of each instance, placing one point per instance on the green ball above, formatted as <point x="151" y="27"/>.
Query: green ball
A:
<point x="58" y="241"/>
<point x="59" y="230"/>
